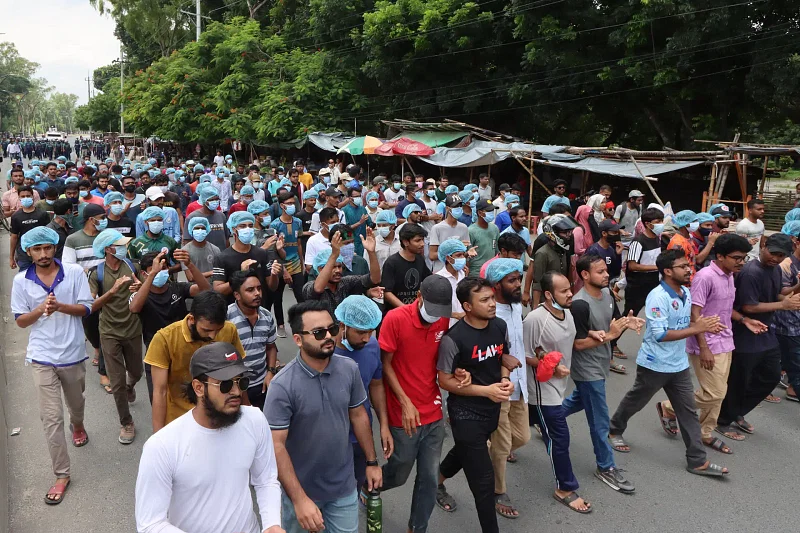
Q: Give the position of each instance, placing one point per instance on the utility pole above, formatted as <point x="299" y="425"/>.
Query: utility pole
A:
<point x="89" y="95"/>
<point x="197" y="19"/>
<point x="121" y="87"/>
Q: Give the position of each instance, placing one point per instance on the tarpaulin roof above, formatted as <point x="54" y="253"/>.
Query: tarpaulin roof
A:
<point x="482" y="153"/>
<point x="625" y="169"/>
<point x="432" y="138"/>
<point x="330" y="142"/>
<point x="764" y="150"/>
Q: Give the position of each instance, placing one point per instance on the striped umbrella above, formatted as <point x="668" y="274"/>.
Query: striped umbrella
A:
<point x="361" y="145"/>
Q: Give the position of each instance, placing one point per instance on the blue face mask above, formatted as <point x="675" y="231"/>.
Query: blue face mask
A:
<point x="100" y="226"/>
<point x="345" y="342"/>
<point x="372" y="204"/>
<point x="199" y="234"/>
<point x="397" y="186"/>
<point x="26" y="202"/>
<point x="156" y="227"/>
<point x="459" y="263"/>
<point x="476" y="195"/>
<point x="357" y="201"/>
<point x="457" y="212"/>
<point x="83" y="194"/>
<point x="161" y="278"/>
<point x="384" y="232"/>
<point x="473" y="203"/>
<point x="120" y="252"/>
<point x="418" y="195"/>
<point x="556" y="305"/>
<point x="489" y="217"/>
<point x="289" y="209"/>
<point x="213" y="205"/>
<point x="50" y="202"/>
<point x="116" y="209"/>
<point x="246" y="235"/>
<point x="431" y="193"/>
<point x="658" y="229"/>
<point x="326" y="180"/>
<point x="265" y="221"/>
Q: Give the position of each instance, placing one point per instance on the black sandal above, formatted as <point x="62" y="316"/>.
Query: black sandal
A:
<point x="443" y="499"/>
<point x="568" y="499"/>
<point x="712" y="471"/>
<point x="504" y="501"/>
<point x="719" y="445"/>
<point x="670" y="425"/>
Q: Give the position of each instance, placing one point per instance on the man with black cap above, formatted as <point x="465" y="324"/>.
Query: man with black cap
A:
<point x="559" y="187"/>
<point x="756" y="362"/>
<point x="722" y="218"/>
<point x="332" y="197"/>
<point x="190" y="478"/>
<point x="409" y="341"/>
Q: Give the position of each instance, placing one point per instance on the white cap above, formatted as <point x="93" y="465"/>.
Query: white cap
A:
<point x="190" y="162"/>
<point x="635" y="194"/>
<point x="154" y="193"/>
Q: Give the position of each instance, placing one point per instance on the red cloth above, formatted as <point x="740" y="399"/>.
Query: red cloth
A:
<point x="544" y="371"/>
<point x="192" y="207"/>
<point x="415" y="349"/>
<point x="238" y="206"/>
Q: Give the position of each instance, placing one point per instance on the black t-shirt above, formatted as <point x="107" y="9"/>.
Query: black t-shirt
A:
<point x="124" y="225"/>
<point x="305" y="218"/>
<point x="756" y="283"/>
<point x="643" y="250"/>
<point x="229" y="261"/>
<point x="403" y="278"/>
<point x="479" y="352"/>
<point x="161" y="310"/>
<point x="22" y="223"/>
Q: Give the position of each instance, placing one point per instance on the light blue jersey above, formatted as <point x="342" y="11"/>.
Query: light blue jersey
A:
<point x="665" y="310"/>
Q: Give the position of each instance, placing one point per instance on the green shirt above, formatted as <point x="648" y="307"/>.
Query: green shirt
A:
<point x="548" y="258"/>
<point x="486" y="241"/>
<point x="116" y="319"/>
<point x="141" y="245"/>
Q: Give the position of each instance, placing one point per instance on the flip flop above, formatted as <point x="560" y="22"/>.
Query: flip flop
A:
<point x="568" y="499"/>
<point x="745" y="426"/>
<point x="728" y="432"/>
<point x="619" y="369"/>
<point x="505" y="501"/>
<point x="57" y="489"/>
<point x="77" y="436"/>
<point x="712" y="471"/>
<point x="619" y="354"/>
<point x="513" y="458"/>
<point x="792" y="397"/>
<point x="772" y="399"/>
<point x="617" y="442"/>
<point x="719" y="445"/>
<point x="670" y="425"/>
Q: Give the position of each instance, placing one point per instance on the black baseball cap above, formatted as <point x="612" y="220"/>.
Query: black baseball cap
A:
<point x="485" y="205"/>
<point x="778" y="243"/>
<point x="333" y="191"/>
<point x="504" y="187"/>
<point x="437" y="296"/>
<point x="92" y="210"/>
<point x="453" y="200"/>
<point x="608" y="225"/>
<point x="218" y="360"/>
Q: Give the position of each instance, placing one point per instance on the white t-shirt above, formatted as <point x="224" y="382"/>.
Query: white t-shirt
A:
<point x="391" y="196"/>
<point x="751" y="232"/>
<point x="315" y="223"/>
<point x="316" y="243"/>
<point x="194" y="479"/>
<point x="219" y="160"/>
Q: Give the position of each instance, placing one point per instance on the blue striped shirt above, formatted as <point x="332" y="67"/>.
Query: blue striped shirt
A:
<point x="255" y="339"/>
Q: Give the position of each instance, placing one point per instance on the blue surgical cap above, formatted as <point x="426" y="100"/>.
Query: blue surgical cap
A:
<point x="451" y="189"/>
<point x="502" y="267"/>
<point x="319" y="187"/>
<point x="470" y="187"/>
<point x="179" y="173"/>
<point x="71" y="179"/>
<point x="450" y="247"/>
<point x="410" y="208"/>
<point x="247" y="190"/>
<point x="207" y="193"/>
<point x="38" y="235"/>
<point x="791" y="228"/>
<point x="113" y="196"/>
<point x="104" y="239"/>
<point x="793" y="214"/>
<point x="199" y="168"/>
<point x="372" y="195"/>
<point x="358" y="312"/>
<point x="205" y="178"/>
<point x="285" y="182"/>
<point x="198" y="221"/>
<point x="239" y="217"/>
<point x="465" y="196"/>
<point x="704" y="217"/>
<point x="322" y="257"/>
<point x="386" y="217"/>
<point x="684" y="218"/>
<point x="257" y="206"/>
<point x="152" y="212"/>
<point x="310" y="194"/>
<point x="511" y="198"/>
<point x="353" y="184"/>
<point x="152" y="161"/>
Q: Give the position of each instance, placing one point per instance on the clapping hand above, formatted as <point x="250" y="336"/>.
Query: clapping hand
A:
<point x="369" y="241"/>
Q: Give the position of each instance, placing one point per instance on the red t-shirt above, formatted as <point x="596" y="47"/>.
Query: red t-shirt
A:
<point x="238" y="206"/>
<point x="415" y="349"/>
<point x="192" y="207"/>
<point x="486" y="265"/>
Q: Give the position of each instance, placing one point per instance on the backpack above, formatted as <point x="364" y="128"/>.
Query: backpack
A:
<point x="625" y="210"/>
<point x="101" y="271"/>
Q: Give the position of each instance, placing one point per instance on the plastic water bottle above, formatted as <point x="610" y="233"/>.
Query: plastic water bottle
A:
<point x="374" y="512"/>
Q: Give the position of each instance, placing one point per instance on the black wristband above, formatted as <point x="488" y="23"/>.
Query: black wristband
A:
<point x="505" y="377"/>
<point x="372" y="463"/>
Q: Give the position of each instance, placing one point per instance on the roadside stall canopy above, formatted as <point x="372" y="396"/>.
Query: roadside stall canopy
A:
<point x="404" y="146"/>
<point x="482" y="153"/>
<point x="624" y="169"/>
<point x="432" y="138"/>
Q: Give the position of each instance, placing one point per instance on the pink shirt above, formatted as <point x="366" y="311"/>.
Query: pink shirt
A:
<point x="10" y="199"/>
<point x="714" y="291"/>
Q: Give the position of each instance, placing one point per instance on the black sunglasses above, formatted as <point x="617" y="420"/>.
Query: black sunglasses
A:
<point x="321" y="333"/>
<point x="226" y="386"/>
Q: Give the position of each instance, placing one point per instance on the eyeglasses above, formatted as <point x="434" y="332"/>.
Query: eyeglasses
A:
<point x="226" y="386"/>
<point x="321" y="333"/>
<point x="560" y="187"/>
<point x="685" y="266"/>
<point x="737" y="258"/>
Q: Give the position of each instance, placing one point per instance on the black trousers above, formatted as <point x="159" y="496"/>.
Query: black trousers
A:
<point x="752" y="378"/>
<point x="471" y="453"/>
<point x="297" y="289"/>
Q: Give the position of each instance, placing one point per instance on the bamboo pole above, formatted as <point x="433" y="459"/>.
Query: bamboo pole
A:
<point x="710" y="185"/>
<point x="533" y="175"/>
<point x="412" y="168"/>
<point x="530" y="196"/>
<point x="763" y="177"/>
<point x="650" y="185"/>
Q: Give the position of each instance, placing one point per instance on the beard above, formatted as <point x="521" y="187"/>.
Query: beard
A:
<point x="323" y="352"/>
<point x="220" y="419"/>
<point x="196" y="336"/>
<point x="513" y="297"/>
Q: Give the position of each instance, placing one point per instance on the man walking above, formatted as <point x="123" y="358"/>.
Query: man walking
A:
<point x="189" y="478"/>
<point x="50" y="298"/>
<point x="752" y="227"/>
<point x="663" y="364"/>
<point x="319" y="393"/>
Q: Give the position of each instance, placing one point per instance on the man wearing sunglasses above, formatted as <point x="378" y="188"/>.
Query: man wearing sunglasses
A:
<point x="189" y="479"/>
<point x="559" y="187"/>
<point x="319" y="393"/>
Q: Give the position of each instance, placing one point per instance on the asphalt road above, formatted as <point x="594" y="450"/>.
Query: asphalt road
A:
<point x="753" y="499"/>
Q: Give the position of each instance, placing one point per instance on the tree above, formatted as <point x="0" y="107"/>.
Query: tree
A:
<point x="101" y="113"/>
<point x="15" y="80"/>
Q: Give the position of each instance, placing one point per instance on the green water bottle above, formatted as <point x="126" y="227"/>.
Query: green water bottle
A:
<point x="374" y="512"/>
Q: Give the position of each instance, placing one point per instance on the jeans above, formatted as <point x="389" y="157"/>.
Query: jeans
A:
<point x="790" y="359"/>
<point x="590" y="396"/>
<point x="471" y="453"/>
<point x="680" y="391"/>
<point x="555" y="433"/>
<point x="340" y="516"/>
<point x="424" y="447"/>
<point x="751" y="379"/>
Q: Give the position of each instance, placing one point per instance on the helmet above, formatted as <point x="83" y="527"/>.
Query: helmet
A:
<point x="556" y="223"/>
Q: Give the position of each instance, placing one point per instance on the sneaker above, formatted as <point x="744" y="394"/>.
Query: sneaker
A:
<point x="784" y="382"/>
<point x="127" y="434"/>
<point x="281" y="332"/>
<point x="613" y="478"/>
<point x="131" y="394"/>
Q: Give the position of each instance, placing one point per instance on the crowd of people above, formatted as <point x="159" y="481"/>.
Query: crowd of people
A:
<point x="176" y="272"/>
<point x="50" y="149"/>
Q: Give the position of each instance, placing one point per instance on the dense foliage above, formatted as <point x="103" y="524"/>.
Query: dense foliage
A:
<point x="641" y="73"/>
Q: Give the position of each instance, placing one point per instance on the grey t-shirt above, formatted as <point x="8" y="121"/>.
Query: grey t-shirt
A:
<point x="443" y="231"/>
<point x="219" y="233"/>
<point x="592" y="314"/>
<point x="627" y="222"/>
<point x="540" y="329"/>
<point x="315" y="406"/>
<point x="202" y="256"/>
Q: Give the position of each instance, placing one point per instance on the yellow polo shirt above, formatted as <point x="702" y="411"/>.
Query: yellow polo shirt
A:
<point x="306" y="179"/>
<point x="172" y="348"/>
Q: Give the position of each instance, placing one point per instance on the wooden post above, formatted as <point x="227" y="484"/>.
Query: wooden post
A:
<point x="710" y="185"/>
<point x="471" y="170"/>
<point x="742" y="179"/>
<point x="763" y="177"/>
<point x="644" y="178"/>
<point x="530" y="195"/>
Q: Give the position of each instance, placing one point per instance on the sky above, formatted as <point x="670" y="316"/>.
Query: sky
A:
<point x="48" y="36"/>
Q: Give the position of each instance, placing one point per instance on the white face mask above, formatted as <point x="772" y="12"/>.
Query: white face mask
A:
<point x="426" y="317"/>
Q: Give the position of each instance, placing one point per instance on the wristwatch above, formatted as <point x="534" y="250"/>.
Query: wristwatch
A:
<point x="273" y="369"/>
<point x="372" y="463"/>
